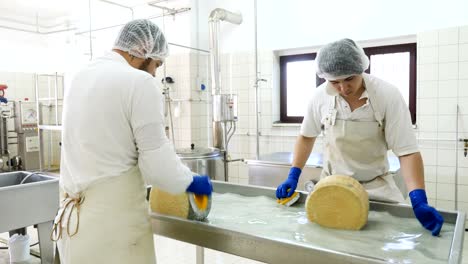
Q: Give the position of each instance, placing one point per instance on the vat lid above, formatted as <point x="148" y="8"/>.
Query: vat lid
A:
<point x="197" y="153"/>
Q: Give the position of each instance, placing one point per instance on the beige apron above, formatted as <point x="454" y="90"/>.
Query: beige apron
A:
<point x="359" y="149"/>
<point x="107" y="223"/>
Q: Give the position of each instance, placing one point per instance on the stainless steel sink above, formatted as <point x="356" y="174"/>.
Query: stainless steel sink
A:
<point x="28" y="199"/>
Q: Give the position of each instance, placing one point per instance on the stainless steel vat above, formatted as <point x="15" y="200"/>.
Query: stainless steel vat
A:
<point x="204" y="161"/>
<point x="272" y="169"/>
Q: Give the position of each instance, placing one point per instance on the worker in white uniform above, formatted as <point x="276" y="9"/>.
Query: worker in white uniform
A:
<point x="361" y="117"/>
<point x="113" y="146"/>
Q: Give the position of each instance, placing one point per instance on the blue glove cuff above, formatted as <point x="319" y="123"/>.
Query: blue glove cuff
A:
<point x="294" y="173"/>
<point x="418" y="197"/>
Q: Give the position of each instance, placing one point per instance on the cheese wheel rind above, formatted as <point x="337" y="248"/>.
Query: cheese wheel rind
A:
<point x="338" y="201"/>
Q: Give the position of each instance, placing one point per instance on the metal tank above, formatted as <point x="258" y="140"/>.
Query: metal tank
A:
<point x="204" y="161"/>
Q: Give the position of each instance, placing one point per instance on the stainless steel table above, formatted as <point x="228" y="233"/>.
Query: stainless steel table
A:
<point x="270" y="249"/>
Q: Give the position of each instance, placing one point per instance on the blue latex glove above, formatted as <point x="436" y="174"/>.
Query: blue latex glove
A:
<point x="200" y="185"/>
<point x="426" y="214"/>
<point x="289" y="184"/>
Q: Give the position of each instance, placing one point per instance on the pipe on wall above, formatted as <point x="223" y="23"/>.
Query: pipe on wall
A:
<point x="214" y="19"/>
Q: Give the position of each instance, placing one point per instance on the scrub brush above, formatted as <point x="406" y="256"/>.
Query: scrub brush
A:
<point x="200" y="206"/>
<point x="288" y="201"/>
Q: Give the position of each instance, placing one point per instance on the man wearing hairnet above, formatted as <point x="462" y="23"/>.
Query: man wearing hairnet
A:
<point x="361" y="117"/>
<point x="113" y="145"/>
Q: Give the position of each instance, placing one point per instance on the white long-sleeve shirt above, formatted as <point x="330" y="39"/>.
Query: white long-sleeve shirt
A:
<point x="112" y="121"/>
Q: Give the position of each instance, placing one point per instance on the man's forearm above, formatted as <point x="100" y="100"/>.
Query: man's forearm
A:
<point x="302" y="150"/>
<point x="412" y="169"/>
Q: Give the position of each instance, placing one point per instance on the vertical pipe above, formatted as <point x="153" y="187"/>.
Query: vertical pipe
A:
<point x="90" y="36"/>
<point x="200" y="255"/>
<point x="456" y="160"/>
<point x="49" y="118"/>
<point x="214" y="41"/>
<point x="219" y="131"/>
<point x="257" y="132"/>
<point x="56" y="99"/>
<point x="39" y="120"/>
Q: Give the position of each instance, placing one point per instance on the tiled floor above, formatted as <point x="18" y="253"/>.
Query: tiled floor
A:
<point x="170" y="251"/>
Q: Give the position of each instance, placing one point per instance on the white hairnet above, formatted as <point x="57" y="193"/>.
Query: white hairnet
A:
<point x="340" y="59"/>
<point x="142" y="39"/>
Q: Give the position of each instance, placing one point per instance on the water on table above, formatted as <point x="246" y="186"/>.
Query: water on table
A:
<point x="390" y="238"/>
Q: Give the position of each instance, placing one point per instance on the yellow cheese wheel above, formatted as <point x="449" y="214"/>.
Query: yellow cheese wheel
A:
<point x="184" y="205"/>
<point x="166" y="203"/>
<point x="338" y="201"/>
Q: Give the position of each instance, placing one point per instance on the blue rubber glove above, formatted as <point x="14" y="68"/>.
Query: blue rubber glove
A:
<point x="426" y="214"/>
<point x="289" y="184"/>
<point x="200" y="185"/>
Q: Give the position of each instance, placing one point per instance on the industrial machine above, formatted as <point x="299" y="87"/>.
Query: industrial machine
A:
<point x="19" y="118"/>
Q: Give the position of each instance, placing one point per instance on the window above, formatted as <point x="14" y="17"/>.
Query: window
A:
<point x="297" y="80"/>
<point x="395" y="64"/>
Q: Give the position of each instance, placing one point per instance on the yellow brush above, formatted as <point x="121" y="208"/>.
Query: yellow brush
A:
<point x="200" y="206"/>
<point x="288" y="201"/>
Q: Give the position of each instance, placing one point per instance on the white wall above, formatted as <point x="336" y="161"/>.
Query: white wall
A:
<point x="442" y="84"/>
<point x="303" y="23"/>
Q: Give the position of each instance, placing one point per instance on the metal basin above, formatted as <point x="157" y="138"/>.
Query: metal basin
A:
<point x="28" y="199"/>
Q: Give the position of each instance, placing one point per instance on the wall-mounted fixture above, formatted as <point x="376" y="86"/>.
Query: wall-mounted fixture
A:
<point x="465" y="145"/>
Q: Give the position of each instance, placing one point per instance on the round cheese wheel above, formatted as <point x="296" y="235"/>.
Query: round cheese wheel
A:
<point x="184" y="205"/>
<point x="338" y="201"/>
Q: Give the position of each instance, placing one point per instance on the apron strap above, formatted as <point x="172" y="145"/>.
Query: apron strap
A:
<point x="375" y="104"/>
<point x="71" y="204"/>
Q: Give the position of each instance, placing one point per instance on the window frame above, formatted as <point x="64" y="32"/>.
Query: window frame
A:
<point x="407" y="47"/>
<point x="284" y="60"/>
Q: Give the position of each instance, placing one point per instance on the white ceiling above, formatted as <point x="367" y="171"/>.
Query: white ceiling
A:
<point x="53" y="13"/>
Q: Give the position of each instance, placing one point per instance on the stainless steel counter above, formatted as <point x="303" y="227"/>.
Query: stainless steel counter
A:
<point x="272" y="247"/>
<point x="271" y="169"/>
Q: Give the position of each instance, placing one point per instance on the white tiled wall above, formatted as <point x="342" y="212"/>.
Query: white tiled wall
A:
<point x="442" y="85"/>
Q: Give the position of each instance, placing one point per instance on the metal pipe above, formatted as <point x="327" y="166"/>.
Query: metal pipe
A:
<point x="29" y="24"/>
<point x="181" y="10"/>
<point x="219" y="14"/>
<point x="170" y="10"/>
<point x="168" y="100"/>
<point x="214" y="57"/>
<point x="37" y="32"/>
<point x="220" y="137"/>
<point x="257" y="121"/>
<point x="187" y="47"/>
<point x="90" y="36"/>
<point x="56" y="100"/>
<point x="117" y="4"/>
<point x="456" y="161"/>
<point x="39" y="121"/>
<point x="215" y="17"/>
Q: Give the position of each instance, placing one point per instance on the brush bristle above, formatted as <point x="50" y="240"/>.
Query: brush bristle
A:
<point x="288" y="201"/>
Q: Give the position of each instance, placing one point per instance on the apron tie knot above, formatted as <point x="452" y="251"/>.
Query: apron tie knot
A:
<point x="69" y="204"/>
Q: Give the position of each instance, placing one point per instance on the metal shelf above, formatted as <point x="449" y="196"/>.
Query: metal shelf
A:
<point x="50" y="127"/>
<point x="53" y="100"/>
